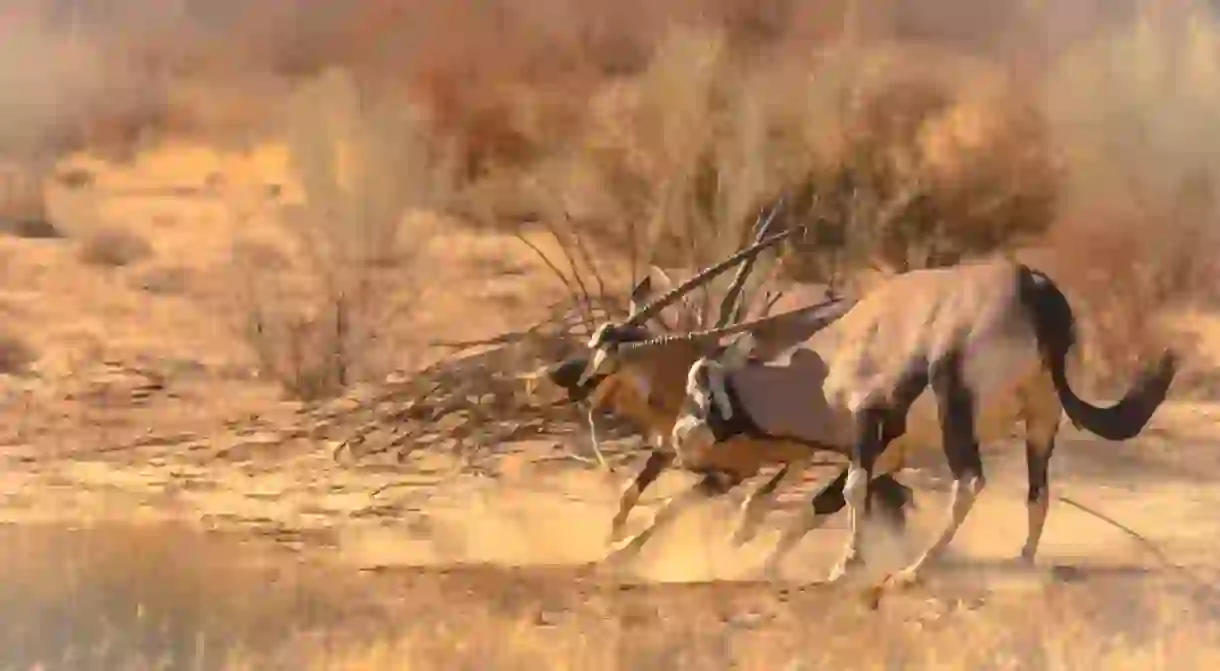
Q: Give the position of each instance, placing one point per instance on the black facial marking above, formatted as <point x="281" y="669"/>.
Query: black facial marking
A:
<point x="567" y="375"/>
<point x="617" y="335"/>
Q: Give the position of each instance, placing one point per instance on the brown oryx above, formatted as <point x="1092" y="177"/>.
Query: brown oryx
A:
<point x="989" y="339"/>
<point x="649" y="392"/>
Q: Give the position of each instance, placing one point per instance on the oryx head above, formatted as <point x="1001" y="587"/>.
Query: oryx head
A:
<point x="580" y="375"/>
<point x="611" y="342"/>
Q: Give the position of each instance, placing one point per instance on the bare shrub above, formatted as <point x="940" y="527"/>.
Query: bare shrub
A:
<point x="365" y="159"/>
<point x="899" y="167"/>
<point x="75" y="178"/>
<point x="922" y="175"/>
<point x="163" y="280"/>
<point x="114" y="247"/>
<point x="1132" y="113"/>
<point x="23" y="203"/>
<point x="15" y="353"/>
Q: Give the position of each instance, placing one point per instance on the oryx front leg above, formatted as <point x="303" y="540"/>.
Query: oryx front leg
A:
<point x="595" y="442"/>
<point x="956" y="409"/>
<point x="868" y="445"/>
<point x="658" y="461"/>
<point x="757" y="503"/>
<point x="887" y="492"/>
<point x="710" y="486"/>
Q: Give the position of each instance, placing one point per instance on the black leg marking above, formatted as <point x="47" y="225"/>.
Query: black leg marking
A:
<point x="891" y="495"/>
<point x="829" y="499"/>
<point x="893" y="498"/>
<point x="1037" y="461"/>
<point x="955" y="405"/>
<point x="768" y="488"/>
<point x="904" y="395"/>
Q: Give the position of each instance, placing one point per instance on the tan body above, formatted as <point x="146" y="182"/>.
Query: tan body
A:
<point x="950" y="357"/>
<point x="650" y="396"/>
<point x="649" y="392"/>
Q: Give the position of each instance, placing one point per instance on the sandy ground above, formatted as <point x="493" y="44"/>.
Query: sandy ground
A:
<point x="159" y="502"/>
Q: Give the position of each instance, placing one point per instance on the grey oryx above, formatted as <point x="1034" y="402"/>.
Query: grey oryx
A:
<point x="650" y="391"/>
<point x="989" y="339"/>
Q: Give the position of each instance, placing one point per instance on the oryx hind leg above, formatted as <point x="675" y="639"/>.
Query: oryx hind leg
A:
<point x="855" y="487"/>
<point x="876" y="430"/>
<point x="757" y="503"/>
<point x="956" y="408"/>
<point x="595" y="441"/>
<point x="891" y="495"/>
<point x="658" y="461"/>
<point x="1041" y="412"/>
<point x="711" y="485"/>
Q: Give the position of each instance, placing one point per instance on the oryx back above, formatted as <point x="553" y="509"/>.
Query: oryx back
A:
<point x="906" y="324"/>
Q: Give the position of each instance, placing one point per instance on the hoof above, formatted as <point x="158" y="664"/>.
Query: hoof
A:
<point x="617" y="534"/>
<point x="900" y="580"/>
<point x="618" y="529"/>
<point x="770" y="573"/>
<point x="893" y="582"/>
<point x="743" y="535"/>
<point x="843" y="567"/>
<point x="620" y="555"/>
<point x="872" y="596"/>
<point x="837" y="573"/>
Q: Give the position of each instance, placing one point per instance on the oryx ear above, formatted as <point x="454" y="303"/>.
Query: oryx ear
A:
<point x="640" y="293"/>
<point x="646" y="289"/>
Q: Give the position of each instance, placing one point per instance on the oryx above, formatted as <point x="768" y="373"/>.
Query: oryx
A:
<point x="650" y="390"/>
<point x="990" y="339"/>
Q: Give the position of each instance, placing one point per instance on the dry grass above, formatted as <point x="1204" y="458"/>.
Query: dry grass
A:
<point x="114" y="247"/>
<point x="16" y="353"/>
<point x="364" y="160"/>
<point x="1137" y="235"/>
<point x="137" y="597"/>
<point x="657" y="133"/>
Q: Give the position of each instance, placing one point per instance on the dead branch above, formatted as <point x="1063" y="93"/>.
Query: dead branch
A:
<point x="577" y="279"/>
<point x="587" y="257"/>
<point x="573" y="290"/>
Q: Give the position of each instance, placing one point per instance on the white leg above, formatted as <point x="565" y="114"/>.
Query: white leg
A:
<point x="597" y="448"/>
<point x="855" y="492"/>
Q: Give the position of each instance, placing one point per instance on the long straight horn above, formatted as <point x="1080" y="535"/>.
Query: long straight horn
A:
<point x="812" y="319"/>
<point x="663" y="301"/>
<point x="728" y="306"/>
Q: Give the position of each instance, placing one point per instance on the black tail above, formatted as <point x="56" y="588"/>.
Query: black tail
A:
<point x="1055" y="327"/>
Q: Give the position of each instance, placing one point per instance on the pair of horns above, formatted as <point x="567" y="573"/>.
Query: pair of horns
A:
<point x="830" y="311"/>
<point x="663" y="301"/>
<point x="729" y="306"/>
